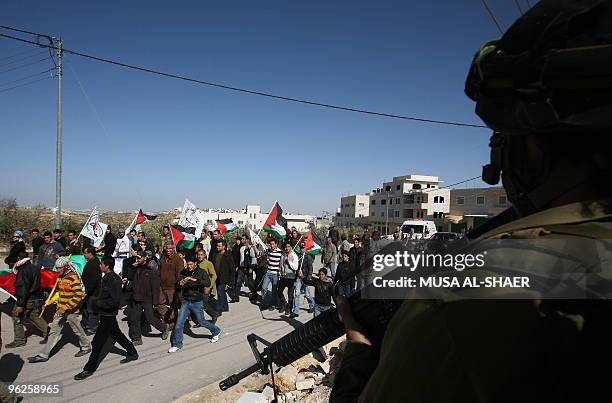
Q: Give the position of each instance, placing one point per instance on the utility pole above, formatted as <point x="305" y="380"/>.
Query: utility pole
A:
<point x="58" y="150"/>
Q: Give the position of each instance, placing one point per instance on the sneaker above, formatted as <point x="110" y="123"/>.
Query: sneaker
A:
<point x="137" y="342"/>
<point x="82" y="352"/>
<point x="173" y="349"/>
<point x="166" y="332"/>
<point x="15" y="344"/>
<point x="215" y="338"/>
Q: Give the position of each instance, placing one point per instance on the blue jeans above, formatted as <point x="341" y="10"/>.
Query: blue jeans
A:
<point x="301" y="288"/>
<point x="222" y="305"/>
<point x="331" y="269"/>
<point x="194" y="308"/>
<point x="270" y="277"/>
<point x="318" y="309"/>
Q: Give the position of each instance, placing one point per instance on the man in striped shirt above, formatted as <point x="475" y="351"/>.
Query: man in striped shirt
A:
<point x="71" y="294"/>
<point x="270" y="299"/>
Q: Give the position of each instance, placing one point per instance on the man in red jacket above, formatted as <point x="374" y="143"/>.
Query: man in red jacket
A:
<point x="170" y="267"/>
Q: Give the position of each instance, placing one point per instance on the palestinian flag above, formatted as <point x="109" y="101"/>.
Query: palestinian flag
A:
<point x="7" y="281"/>
<point x="276" y="223"/>
<point x="226" y="225"/>
<point x="184" y="238"/>
<point x="314" y="244"/>
<point x="142" y="218"/>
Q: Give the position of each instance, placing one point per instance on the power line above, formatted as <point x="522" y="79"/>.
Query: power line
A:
<point x="518" y="5"/>
<point x="486" y="5"/>
<point x="242" y="90"/>
<point x="27" y="77"/>
<point x="22" y="59"/>
<point x="23" y="65"/>
<point x="23" y="85"/>
<point x="18" y="54"/>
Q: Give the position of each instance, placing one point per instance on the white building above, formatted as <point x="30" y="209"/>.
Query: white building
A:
<point x="408" y="197"/>
<point x="252" y="217"/>
<point x="354" y="210"/>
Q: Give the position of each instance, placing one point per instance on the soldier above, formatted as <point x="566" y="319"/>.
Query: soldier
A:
<point x="544" y="89"/>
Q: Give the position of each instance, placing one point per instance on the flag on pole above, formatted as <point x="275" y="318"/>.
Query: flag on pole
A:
<point x="226" y="225"/>
<point x="276" y="223"/>
<point x="255" y="239"/>
<point x="140" y="218"/>
<point x="94" y="229"/>
<point x="314" y="244"/>
<point x="184" y="238"/>
<point x="192" y="217"/>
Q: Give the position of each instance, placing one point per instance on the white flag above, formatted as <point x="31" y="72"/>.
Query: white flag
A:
<point x="192" y="217"/>
<point x="255" y="239"/>
<point x="94" y="229"/>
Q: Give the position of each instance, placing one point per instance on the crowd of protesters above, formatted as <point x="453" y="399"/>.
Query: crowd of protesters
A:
<point x="162" y="288"/>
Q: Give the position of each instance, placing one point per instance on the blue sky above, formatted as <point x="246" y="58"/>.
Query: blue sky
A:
<point x="141" y="141"/>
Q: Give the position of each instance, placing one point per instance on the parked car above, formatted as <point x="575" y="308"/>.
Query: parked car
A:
<point x="440" y="241"/>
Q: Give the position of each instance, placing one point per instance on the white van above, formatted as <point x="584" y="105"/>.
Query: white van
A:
<point x="421" y="229"/>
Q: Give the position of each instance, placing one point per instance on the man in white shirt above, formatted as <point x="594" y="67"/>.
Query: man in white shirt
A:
<point x="122" y="250"/>
<point x="289" y="267"/>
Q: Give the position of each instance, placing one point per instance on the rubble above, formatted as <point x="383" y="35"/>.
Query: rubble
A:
<point x="305" y="384"/>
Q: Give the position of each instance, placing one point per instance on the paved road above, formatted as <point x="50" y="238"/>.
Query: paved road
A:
<point x="157" y="376"/>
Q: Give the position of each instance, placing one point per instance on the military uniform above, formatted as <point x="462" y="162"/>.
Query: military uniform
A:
<point x="466" y="350"/>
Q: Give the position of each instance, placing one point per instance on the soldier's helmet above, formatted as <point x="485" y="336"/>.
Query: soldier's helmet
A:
<point x="551" y="72"/>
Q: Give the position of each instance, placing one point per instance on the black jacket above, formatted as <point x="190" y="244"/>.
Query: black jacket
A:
<point x="344" y="271"/>
<point x="128" y="270"/>
<point x="306" y="265"/>
<point x="236" y="255"/>
<point x="323" y="290"/>
<point x="110" y="295"/>
<point x="358" y="258"/>
<point x="226" y="273"/>
<point x="92" y="276"/>
<point x="36" y="244"/>
<point x="16" y="248"/>
<point x="27" y="284"/>
<point x="110" y="242"/>
<point x="193" y="291"/>
<point x="146" y="283"/>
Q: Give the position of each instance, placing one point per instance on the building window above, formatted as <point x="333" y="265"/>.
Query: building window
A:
<point x="373" y="202"/>
<point x="502" y="200"/>
<point x="439" y="199"/>
<point x="416" y="185"/>
<point x="391" y="201"/>
<point x="428" y="186"/>
<point x="383" y="201"/>
<point x="398" y="187"/>
<point x="388" y="188"/>
<point x="397" y="213"/>
<point x="407" y="213"/>
<point x="240" y="222"/>
<point x="361" y="205"/>
<point x="353" y="205"/>
<point x="419" y="199"/>
<point x="460" y="200"/>
<point x="397" y="200"/>
<point x="480" y="200"/>
<point x="438" y="214"/>
<point x="346" y="215"/>
<point x="409" y="199"/>
<point x="419" y="214"/>
<point x="360" y="215"/>
<point x="382" y="213"/>
<point x="208" y="221"/>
